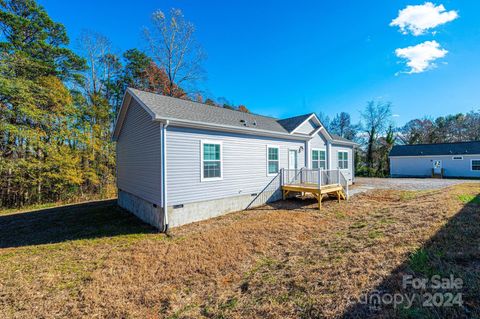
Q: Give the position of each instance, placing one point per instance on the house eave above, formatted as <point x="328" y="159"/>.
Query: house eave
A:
<point x="338" y="142"/>
<point x="230" y="129"/>
<point x="219" y="127"/>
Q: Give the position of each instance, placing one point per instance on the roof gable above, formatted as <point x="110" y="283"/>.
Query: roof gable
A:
<point x="291" y="123"/>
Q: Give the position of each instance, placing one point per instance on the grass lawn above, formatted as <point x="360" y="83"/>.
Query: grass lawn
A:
<point x="287" y="260"/>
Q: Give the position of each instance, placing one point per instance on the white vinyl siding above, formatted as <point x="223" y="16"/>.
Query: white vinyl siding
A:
<point x="476" y="165"/>
<point x="306" y="128"/>
<point x="139" y="155"/>
<point x="273" y="160"/>
<point x="319" y="159"/>
<point x="212" y="165"/>
<point x="243" y="170"/>
<point x="317" y="142"/>
<point x="342" y="160"/>
<point x="421" y="166"/>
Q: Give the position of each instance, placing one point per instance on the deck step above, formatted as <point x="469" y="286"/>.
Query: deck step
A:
<point x="342" y="195"/>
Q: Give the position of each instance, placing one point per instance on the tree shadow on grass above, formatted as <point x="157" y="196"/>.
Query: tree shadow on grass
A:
<point x="81" y="221"/>
<point x="453" y="251"/>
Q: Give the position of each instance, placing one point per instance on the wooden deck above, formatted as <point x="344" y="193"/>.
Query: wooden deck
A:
<point x="317" y="192"/>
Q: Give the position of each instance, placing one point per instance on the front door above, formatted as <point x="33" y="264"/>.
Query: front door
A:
<point x="437" y="166"/>
<point x="292" y="159"/>
<point x="292" y="166"/>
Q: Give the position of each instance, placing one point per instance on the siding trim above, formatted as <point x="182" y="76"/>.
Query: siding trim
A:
<point x="164" y="170"/>
<point x="305" y="121"/>
<point x="267" y="160"/>
<point x="338" y="160"/>
<point x="329" y="155"/>
<point x="471" y="164"/>
<point x="320" y="128"/>
<point x="202" y="172"/>
<point x="311" y="156"/>
<point x="296" y="157"/>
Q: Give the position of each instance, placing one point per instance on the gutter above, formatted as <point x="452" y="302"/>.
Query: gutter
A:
<point x="163" y="164"/>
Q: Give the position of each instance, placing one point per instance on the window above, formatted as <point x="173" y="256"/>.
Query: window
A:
<point x="457" y="158"/>
<point x="476" y="165"/>
<point x="343" y="160"/>
<point x="319" y="159"/>
<point x="273" y="162"/>
<point x="211" y="160"/>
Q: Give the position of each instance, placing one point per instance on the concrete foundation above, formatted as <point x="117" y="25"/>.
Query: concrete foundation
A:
<point x="193" y="212"/>
<point x="148" y="212"/>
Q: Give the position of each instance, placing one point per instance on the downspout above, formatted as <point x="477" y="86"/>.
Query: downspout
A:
<point x="353" y="164"/>
<point x="163" y="165"/>
<point x="307" y="154"/>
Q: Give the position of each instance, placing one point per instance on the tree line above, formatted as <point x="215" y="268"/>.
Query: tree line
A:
<point x="377" y="134"/>
<point x="58" y="106"/>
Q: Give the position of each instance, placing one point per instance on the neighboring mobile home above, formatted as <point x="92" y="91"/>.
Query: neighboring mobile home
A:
<point x="180" y="161"/>
<point x="451" y="160"/>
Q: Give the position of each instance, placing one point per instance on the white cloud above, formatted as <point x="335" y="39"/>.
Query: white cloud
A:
<point x="420" y="57"/>
<point x="396" y="115"/>
<point x="420" y="18"/>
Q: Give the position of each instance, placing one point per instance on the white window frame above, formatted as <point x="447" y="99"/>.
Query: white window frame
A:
<point x="320" y="150"/>
<point x="457" y="158"/>
<point x="338" y="160"/>
<point x="202" y="172"/>
<point x="266" y="152"/>
<point x="471" y="164"/>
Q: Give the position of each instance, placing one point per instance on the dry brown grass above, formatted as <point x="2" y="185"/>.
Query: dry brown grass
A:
<point x="286" y="260"/>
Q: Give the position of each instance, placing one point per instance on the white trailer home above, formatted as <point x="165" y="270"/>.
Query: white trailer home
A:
<point x="180" y="161"/>
<point x="449" y="160"/>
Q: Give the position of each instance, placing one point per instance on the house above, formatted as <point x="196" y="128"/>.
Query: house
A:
<point x="451" y="160"/>
<point x="180" y="161"/>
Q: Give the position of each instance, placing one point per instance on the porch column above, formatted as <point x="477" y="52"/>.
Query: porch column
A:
<point x="329" y="155"/>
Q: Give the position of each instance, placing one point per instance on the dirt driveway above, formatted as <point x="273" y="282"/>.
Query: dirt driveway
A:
<point x="364" y="184"/>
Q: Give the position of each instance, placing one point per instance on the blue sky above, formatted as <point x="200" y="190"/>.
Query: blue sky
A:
<point x="283" y="58"/>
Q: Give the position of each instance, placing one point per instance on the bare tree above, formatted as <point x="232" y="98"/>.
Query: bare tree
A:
<point x="325" y="120"/>
<point x="342" y="126"/>
<point x="174" y="49"/>
<point x="419" y="131"/>
<point x="102" y="62"/>
<point x="376" y="117"/>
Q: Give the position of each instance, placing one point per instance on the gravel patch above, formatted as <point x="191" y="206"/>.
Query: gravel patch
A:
<point x="363" y="184"/>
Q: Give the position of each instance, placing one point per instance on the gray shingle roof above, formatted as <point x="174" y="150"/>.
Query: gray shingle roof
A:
<point x="460" y="148"/>
<point x="291" y="123"/>
<point x="339" y="138"/>
<point x="173" y="108"/>
<point x="179" y="109"/>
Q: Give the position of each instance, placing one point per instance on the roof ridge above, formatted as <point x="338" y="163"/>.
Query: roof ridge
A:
<point x="292" y="117"/>
<point x="201" y="103"/>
